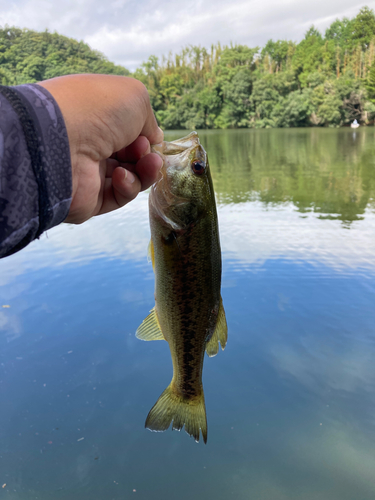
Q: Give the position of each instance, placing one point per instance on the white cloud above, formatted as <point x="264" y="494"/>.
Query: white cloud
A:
<point x="324" y="365"/>
<point x="10" y="324"/>
<point x="251" y="233"/>
<point x="129" y="31"/>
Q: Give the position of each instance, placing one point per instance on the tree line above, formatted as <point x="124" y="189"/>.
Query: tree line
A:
<point x="28" y="56"/>
<point x="324" y="80"/>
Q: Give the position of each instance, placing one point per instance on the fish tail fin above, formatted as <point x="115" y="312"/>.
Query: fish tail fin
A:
<point x="190" y="413"/>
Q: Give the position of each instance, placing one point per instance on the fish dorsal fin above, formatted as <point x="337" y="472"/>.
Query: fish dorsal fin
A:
<point x="220" y="334"/>
<point x="150" y="328"/>
<point x="151" y="254"/>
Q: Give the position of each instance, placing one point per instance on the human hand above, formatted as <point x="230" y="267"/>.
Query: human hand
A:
<point x="110" y="126"/>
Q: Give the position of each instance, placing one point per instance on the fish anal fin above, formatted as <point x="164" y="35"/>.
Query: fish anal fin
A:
<point x="150" y="329"/>
<point x="220" y="334"/>
<point x="183" y="412"/>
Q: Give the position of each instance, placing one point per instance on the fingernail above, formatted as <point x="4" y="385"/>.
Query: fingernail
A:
<point x="129" y="177"/>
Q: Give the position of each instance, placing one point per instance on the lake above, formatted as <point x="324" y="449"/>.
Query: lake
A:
<point x="290" y="402"/>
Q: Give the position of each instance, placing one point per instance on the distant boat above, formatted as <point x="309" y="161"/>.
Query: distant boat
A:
<point x="355" y="124"/>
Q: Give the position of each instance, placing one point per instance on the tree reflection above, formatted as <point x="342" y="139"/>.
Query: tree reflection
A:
<point x="328" y="172"/>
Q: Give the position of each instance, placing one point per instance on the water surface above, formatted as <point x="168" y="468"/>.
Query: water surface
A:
<point x="290" y="402"/>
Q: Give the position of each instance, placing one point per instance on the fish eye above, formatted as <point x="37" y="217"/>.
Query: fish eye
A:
<point x="198" y="167"/>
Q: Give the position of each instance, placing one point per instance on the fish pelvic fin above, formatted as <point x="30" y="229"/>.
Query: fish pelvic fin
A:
<point x="220" y="334"/>
<point x="171" y="406"/>
<point x="150" y="329"/>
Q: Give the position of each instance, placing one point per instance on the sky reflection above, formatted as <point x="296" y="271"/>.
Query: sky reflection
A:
<point x="250" y="234"/>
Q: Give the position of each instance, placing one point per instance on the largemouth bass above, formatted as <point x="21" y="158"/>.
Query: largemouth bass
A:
<point x="186" y="257"/>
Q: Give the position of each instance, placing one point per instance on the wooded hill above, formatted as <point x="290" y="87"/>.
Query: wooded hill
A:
<point x="322" y="81"/>
<point x="28" y="56"/>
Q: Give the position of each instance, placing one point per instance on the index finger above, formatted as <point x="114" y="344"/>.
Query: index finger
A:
<point x="135" y="113"/>
<point x="151" y="130"/>
<point x="139" y="110"/>
<point x="134" y="152"/>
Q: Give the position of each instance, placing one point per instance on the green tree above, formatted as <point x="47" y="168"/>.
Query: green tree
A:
<point x="236" y="107"/>
<point x="370" y="85"/>
<point x="340" y="32"/>
<point x="30" y="56"/>
<point x="279" y="52"/>
<point x="363" y="28"/>
<point x="293" y="110"/>
<point x="308" y="55"/>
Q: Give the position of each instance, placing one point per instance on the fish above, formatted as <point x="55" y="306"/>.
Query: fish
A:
<point x="186" y="258"/>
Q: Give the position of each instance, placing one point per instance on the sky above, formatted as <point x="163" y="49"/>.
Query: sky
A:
<point x="129" y="31"/>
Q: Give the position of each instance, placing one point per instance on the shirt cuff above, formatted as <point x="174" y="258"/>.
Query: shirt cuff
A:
<point x="54" y="148"/>
<point x="35" y="166"/>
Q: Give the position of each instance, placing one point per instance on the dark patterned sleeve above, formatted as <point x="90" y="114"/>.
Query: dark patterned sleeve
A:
<point x="35" y="168"/>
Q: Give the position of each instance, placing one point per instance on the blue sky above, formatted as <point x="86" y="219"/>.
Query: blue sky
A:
<point x="128" y="31"/>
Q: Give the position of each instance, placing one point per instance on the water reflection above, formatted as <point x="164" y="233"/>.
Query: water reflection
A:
<point x="326" y="172"/>
<point x="290" y="401"/>
<point x="251" y="233"/>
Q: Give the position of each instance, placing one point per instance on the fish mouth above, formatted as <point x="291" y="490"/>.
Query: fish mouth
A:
<point x="178" y="146"/>
<point x="176" y="156"/>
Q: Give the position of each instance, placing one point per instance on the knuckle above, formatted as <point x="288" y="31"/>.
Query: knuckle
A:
<point x="138" y="87"/>
<point x="142" y="94"/>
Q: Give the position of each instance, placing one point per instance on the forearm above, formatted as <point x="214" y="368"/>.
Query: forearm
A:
<point x="35" y="166"/>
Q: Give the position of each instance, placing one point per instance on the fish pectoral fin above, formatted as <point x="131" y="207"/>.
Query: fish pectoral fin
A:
<point x="150" y="328"/>
<point x="220" y="334"/>
<point x="184" y="412"/>
<point x="151" y="254"/>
